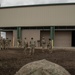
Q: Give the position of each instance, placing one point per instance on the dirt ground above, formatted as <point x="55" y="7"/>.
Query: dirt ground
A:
<point x="12" y="60"/>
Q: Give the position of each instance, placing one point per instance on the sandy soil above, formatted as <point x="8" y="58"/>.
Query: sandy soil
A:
<point x="12" y="60"/>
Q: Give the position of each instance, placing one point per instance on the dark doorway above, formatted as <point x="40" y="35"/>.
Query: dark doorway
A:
<point x="73" y="38"/>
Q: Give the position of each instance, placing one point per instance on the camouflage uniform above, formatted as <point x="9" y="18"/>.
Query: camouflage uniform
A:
<point x="25" y="44"/>
<point x="43" y="43"/>
<point x="32" y="46"/>
<point x="1" y="45"/>
<point x="7" y="43"/>
<point x="19" y="43"/>
<point x="49" y="45"/>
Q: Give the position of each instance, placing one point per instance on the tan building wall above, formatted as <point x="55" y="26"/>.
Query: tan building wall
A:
<point x="29" y="34"/>
<point x="25" y="33"/>
<point x="62" y="39"/>
<point x="55" y="15"/>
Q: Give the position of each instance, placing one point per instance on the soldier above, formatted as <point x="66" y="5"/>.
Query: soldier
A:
<point x="43" y="43"/>
<point x="32" y="46"/>
<point x="1" y="45"/>
<point x="19" y="42"/>
<point x="25" y="44"/>
<point x="9" y="43"/>
<point x="49" y="45"/>
<point x="6" y="43"/>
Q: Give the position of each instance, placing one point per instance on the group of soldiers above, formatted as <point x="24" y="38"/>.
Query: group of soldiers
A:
<point x="4" y="43"/>
<point x="33" y="45"/>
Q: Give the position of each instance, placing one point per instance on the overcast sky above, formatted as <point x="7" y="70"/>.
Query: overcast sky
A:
<point x="31" y="2"/>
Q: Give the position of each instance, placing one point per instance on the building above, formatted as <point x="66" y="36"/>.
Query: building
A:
<point x="55" y="21"/>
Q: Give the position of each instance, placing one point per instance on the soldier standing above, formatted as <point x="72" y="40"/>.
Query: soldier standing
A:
<point x="25" y="45"/>
<point x="32" y="46"/>
<point x="49" y="45"/>
<point x="1" y="45"/>
<point x="19" y="43"/>
<point x="6" y="43"/>
<point x="9" y="43"/>
<point x="43" y="43"/>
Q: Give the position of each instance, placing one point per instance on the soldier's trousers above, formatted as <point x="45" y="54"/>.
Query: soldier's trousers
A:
<point x="43" y="47"/>
<point x="25" y="48"/>
<point x="49" y="48"/>
<point x="32" y="49"/>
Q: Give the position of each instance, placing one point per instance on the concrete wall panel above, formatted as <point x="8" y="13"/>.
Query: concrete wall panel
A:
<point x="58" y="15"/>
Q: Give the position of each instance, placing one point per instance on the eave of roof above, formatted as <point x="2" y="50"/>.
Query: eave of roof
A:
<point x="55" y="4"/>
